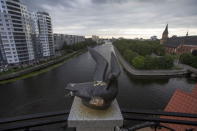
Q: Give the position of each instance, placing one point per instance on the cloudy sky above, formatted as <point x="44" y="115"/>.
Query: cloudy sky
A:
<point x="120" y="18"/>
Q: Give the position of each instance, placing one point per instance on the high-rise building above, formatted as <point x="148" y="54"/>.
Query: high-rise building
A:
<point x="27" y="29"/>
<point x="15" y="32"/>
<point x="45" y="34"/>
<point x="25" y="36"/>
<point x="2" y="53"/>
<point x="35" y="36"/>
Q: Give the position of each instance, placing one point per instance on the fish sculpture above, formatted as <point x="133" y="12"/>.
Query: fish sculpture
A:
<point x="100" y="93"/>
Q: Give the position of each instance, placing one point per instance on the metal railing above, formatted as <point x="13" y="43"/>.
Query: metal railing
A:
<point x="151" y="118"/>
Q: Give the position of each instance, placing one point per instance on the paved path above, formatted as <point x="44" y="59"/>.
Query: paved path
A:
<point x="189" y="68"/>
<point x="141" y="73"/>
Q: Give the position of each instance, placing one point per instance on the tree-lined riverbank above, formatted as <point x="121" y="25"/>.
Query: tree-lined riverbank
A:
<point x="69" y="51"/>
<point x="148" y="73"/>
<point x="144" y="55"/>
<point x="36" y="70"/>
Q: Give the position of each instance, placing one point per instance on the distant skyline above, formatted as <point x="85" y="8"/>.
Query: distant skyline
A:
<point x="120" y="18"/>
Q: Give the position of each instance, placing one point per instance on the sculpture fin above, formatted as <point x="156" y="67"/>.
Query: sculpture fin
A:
<point x="115" y="68"/>
<point x="101" y="65"/>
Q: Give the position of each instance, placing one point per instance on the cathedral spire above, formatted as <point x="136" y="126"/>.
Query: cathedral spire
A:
<point x="164" y="35"/>
<point x="166" y="30"/>
<point x="187" y="34"/>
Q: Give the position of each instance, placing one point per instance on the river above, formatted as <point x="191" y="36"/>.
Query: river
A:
<point x="46" y="92"/>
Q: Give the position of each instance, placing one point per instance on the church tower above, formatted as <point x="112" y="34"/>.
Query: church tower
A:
<point x="164" y="35"/>
<point x="187" y="34"/>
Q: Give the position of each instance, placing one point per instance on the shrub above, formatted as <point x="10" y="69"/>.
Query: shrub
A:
<point x="189" y="59"/>
<point x="194" y="52"/>
<point x="186" y="58"/>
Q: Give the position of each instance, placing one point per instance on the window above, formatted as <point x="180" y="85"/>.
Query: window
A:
<point x="7" y="49"/>
<point x="4" y="37"/>
<point x="8" y="53"/>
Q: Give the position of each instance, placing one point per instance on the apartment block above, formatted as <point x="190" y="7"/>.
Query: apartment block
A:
<point x="61" y="39"/>
<point x="25" y="36"/>
<point x="35" y="35"/>
<point x="15" y="32"/>
<point x="45" y="34"/>
<point x="2" y="54"/>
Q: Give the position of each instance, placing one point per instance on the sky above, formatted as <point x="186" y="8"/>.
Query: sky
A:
<point x="120" y="18"/>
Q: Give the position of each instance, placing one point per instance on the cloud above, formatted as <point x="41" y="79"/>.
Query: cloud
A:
<point x="119" y="17"/>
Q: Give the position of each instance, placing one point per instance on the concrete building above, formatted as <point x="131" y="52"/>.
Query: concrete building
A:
<point x="27" y="29"/>
<point x="45" y="34"/>
<point x="2" y="54"/>
<point x="35" y="35"/>
<point x="153" y="38"/>
<point x="95" y="38"/>
<point x="62" y="39"/>
<point x="178" y="45"/>
<point x="15" y="32"/>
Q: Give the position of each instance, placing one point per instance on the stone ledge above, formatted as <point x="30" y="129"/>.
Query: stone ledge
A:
<point x="83" y="117"/>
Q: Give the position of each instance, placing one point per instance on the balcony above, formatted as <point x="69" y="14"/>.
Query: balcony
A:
<point x="133" y="120"/>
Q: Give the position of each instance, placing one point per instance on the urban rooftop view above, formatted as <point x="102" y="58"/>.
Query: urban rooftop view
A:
<point x="98" y="65"/>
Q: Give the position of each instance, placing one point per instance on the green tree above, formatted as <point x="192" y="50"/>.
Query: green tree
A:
<point x="138" y="62"/>
<point x="186" y="58"/>
<point x="129" y="55"/>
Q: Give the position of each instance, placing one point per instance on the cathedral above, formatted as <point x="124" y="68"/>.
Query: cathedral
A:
<point x="178" y="45"/>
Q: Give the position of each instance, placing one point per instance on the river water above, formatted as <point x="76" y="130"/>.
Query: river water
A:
<point x="46" y="93"/>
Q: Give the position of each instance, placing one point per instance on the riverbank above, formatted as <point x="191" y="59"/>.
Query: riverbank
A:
<point x="148" y="73"/>
<point x="38" y="69"/>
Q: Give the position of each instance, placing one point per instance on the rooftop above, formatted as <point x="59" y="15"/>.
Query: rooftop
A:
<point x="185" y="102"/>
<point x="176" y="41"/>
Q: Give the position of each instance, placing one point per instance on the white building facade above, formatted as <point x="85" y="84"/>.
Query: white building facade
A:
<point x="45" y="34"/>
<point x="61" y="39"/>
<point x="24" y="35"/>
<point x="15" y="32"/>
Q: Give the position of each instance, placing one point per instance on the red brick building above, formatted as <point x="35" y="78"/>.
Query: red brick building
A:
<point x="178" y="45"/>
